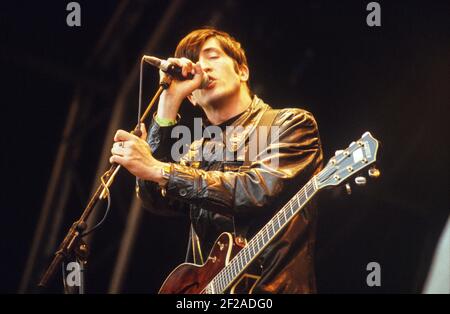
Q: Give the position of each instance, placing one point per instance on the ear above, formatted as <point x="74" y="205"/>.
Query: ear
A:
<point x="191" y="98"/>
<point x="244" y="73"/>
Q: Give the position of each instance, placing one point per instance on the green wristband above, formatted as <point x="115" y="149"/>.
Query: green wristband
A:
<point x="164" y="121"/>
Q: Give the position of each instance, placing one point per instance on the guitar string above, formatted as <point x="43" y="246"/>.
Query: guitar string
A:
<point x="243" y="257"/>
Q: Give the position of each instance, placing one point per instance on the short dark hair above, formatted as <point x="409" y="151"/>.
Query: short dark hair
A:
<point x="189" y="47"/>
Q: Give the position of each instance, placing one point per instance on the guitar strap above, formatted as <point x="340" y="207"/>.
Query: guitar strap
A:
<point x="266" y="121"/>
<point x="194" y="242"/>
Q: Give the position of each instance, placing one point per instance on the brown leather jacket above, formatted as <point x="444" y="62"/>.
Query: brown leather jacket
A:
<point x="224" y="196"/>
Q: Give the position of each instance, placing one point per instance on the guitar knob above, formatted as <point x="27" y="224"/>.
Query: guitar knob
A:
<point x="374" y="172"/>
<point x="360" y="181"/>
<point x="348" y="188"/>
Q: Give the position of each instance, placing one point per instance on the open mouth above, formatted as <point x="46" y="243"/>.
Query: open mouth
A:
<point x="211" y="83"/>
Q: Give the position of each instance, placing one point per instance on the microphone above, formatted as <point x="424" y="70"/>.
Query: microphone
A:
<point x="174" y="70"/>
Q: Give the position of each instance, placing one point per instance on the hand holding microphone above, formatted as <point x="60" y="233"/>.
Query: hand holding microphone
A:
<point x="179" y="69"/>
<point x="187" y="78"/>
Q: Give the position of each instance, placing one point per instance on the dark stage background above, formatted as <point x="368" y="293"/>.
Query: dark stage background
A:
<point x="319" y="55"/>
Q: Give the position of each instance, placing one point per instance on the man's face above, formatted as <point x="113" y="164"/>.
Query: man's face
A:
<point x="225" y="82"/>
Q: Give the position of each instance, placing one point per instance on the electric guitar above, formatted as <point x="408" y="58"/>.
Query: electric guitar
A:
<point x="229" y="258"/>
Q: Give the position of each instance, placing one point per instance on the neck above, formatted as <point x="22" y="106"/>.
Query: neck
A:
<point x="228" y="108"/>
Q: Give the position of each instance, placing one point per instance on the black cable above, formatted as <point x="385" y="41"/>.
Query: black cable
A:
<point x="103" y="219"/>
<point x="138" y="129"/>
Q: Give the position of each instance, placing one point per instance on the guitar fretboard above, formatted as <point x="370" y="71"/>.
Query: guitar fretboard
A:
<point x="254" y="247"/>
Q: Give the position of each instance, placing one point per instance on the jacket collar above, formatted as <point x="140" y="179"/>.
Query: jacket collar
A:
<point x="244" y="118"/>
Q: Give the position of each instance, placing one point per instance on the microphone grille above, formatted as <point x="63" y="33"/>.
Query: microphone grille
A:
<point x="153" y="61"/>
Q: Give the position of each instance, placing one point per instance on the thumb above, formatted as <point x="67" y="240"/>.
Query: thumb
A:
<point x="143" y="131"/>
<point x="199" y="74"/>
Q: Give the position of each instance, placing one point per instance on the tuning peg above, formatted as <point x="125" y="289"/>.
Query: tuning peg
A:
<point x="360" y="180"/>
<point x="348" y="188"/>
<point x="374" y="172"/>
<point x="338" y="152"/>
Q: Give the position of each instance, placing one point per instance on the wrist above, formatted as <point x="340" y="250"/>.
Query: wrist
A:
<point x="162" y="174"/>
<point x="165" y="122"/>
<point x="168" y="107"/>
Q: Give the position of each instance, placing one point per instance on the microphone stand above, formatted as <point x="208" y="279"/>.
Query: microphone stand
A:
<point x="73" y="247"/>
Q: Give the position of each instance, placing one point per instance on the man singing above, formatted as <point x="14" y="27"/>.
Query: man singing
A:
<point x="237" y="195"/>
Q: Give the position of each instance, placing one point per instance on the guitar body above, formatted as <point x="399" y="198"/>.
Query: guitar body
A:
<point x="190" y="278"/>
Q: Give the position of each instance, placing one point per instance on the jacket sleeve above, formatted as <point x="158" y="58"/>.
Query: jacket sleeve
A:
<point x="298" y="155"/>
<point x="160" y="141"/>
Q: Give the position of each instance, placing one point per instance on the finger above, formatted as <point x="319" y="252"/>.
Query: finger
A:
<point x="187" y="66"/>
<point x="144" y="131"/>
<point x="121" y="145"/>
<point x="175" y="61"/>
<point x="198" y="68"/>
<point x="185" y="60"/>
<point x="187" y="69"/>
<point x="198" y="76"/>
<point x="122" y="135"/>
<point x="117" y="150"/>
<point x="117" y="159"/>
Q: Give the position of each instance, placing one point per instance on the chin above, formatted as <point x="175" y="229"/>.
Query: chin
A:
<point x="216" y="97"/>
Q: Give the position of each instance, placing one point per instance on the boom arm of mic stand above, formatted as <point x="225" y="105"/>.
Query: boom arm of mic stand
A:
<point x="69" y="245"/>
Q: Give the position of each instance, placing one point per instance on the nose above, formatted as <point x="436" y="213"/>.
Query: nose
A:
<point x="206" y="65"/>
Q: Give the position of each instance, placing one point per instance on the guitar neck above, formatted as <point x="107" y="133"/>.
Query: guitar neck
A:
<point x="259" y="242"/>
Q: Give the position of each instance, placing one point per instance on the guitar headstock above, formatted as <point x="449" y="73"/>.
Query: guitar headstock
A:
<point x="350" y="161"/>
